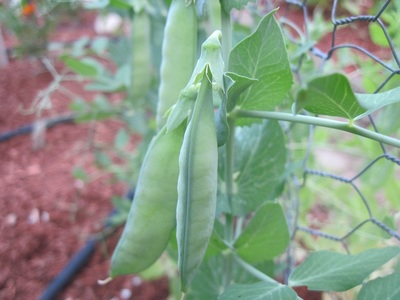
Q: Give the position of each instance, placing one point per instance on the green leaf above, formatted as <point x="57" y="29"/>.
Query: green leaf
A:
<point x="80" y="173"/>
<point x="260" y="157"/>
<point x="155" y="271"/>
<point x="387" y="288"/>
<point x="123" y="75"/>
<point x="209" y="280"/>
<point x="79" y="46"/>
<point x="303" y="49"/>
<point x="99" y="4"/>
<point x="235" y="85"/>
<point x="228" y="5"/>
<point x="330" y="95"/>
<point x="121" y="4"/>
<point x="377" y="35"/>
<point x="263" y="56"/>
<point x="85" y="66"/>
<point x="121" y="139"/>
<point x="266" y="235"/>
<point x="121" y="204"/>
<point x="138" y="5"/>
<point x="102" y="159"/>
<point x="100" y="103"/>
<point x="104" y="84"/>
<point x="373" y="102"/>
<point x="332" y="271"/>
<point x="216" y="245"/>
<point x="259" y="291"/>
<point x="79" y="105"/>
<point x="99" y="44"/>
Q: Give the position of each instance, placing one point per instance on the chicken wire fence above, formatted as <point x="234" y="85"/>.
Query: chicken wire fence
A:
<point x="295" y="22"/>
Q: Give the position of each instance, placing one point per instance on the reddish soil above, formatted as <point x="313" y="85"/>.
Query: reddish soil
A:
<point x="46" y="216"/>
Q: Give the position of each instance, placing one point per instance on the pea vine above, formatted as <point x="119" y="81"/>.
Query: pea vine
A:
<point x="211" y="188"/>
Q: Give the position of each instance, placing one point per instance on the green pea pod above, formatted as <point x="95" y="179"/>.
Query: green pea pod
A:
<point x="197" y="185"/>
<point x="152" y="216"/>
<point x="178" y="55"/>
<point x="141" y="56"/>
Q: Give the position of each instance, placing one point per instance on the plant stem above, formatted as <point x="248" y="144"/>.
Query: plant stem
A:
<point x="254" y="271"/>
<point x="226" y="29"/>
<point x="229" y="163"/>
<point x="229" y="166"/>
<point x="317" y="121"/>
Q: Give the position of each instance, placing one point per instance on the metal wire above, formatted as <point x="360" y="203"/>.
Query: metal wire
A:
<point x="295" y="35"/>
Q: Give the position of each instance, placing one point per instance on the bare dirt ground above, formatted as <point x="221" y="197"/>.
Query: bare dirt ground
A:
<point x="46" y="215"/>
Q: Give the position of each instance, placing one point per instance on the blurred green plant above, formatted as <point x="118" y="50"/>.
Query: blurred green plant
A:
<point x="32" y="23"/>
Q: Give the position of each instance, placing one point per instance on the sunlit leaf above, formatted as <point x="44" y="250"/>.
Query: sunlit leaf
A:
<point x="262" y="56"/>
<point x="332" y="271"/>
<point x="260" y="291"/>
<point x="387" y="288"/>
<point x="330" y="95"/>
<point x="228" y="5"/>
<point x="373" y="102"/>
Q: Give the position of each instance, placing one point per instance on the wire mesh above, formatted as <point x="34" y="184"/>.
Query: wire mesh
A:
<point x="298" y="32"/>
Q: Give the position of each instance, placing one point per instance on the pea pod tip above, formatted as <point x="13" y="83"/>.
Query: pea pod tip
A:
<point x="104" y="281"/>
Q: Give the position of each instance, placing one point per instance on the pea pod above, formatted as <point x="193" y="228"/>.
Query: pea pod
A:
<point x="197" y="185"/>
<point x="178" y="55"/>
<point x="152" y="218"/>
<point x="141" y="59"/>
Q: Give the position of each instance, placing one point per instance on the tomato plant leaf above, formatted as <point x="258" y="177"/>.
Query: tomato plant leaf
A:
<point x="259" y="290"/>
<point x="332" y="271"/>
<point x="329" y="95"/>
<point x="373" y="102"/>
<point x="262" y="56"/>
<point x="260" y="157"/>
<point x="266" y="235"/>
<point x="381" y="288"/>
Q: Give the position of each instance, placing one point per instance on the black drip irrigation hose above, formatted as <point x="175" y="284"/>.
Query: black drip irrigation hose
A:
<point x="78" y="261"/>
<point x="5" y="136"/>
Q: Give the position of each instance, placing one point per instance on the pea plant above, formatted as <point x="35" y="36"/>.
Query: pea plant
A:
<point x="211" y="191"/>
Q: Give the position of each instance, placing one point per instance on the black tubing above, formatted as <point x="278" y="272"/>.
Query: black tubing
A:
<point x="29" y="128"/>
<point x="76" y="263"/>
